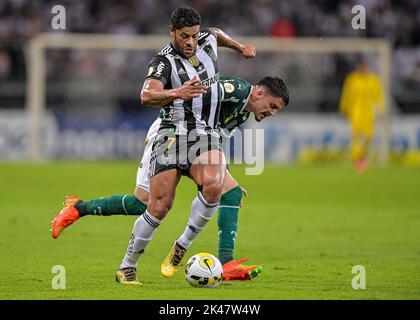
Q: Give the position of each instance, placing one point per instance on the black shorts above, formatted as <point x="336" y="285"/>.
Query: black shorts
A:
<point x="171" y="151"/>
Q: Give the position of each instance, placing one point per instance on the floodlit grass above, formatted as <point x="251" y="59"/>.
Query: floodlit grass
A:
<point x="307" y="227"/>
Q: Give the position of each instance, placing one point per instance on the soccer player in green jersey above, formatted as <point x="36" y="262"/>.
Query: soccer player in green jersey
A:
<point x="240" y="99"/>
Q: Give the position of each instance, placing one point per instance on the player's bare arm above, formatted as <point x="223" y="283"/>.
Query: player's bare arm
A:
<point x="247" y="50"/>
<point x="154" y="95"/>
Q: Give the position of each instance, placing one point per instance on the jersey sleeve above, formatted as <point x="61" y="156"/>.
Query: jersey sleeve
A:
<point x="234" y="89"/>
<point x="159" y="69"/>
<point x="206" y="34"/>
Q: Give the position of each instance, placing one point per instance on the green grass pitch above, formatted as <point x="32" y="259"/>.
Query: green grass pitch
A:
<point x="307" y="227"/>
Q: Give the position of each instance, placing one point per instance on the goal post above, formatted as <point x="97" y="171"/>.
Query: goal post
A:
<point x="37" y="64"/>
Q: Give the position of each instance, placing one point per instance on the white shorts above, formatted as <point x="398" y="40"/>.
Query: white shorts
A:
<point x="143" y="172"/>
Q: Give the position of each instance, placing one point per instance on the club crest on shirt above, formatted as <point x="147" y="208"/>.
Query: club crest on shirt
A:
<point x="194" y="61"/>
<point x="229" y="87"/>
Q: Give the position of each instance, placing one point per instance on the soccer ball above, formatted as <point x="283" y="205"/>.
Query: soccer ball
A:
<point x="204" y="270"/>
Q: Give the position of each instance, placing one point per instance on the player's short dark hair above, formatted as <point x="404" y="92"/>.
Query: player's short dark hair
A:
<point x="184" y="17"/>
<point x="276" y="87"/>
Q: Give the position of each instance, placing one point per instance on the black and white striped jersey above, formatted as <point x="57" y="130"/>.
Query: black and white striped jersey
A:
<point x="200" y="114"/>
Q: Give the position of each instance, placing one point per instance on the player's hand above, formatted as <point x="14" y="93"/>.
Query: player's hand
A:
<point x="245" y="193"/>
<point x="191" y="89"/>
<point x="248" y="51"/>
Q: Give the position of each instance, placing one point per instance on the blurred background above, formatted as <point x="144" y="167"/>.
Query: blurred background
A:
<point x="91" y="95"/>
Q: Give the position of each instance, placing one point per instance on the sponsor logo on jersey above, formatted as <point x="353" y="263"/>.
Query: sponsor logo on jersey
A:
<point x="159" y="69"/>
<point x="182" y="71"/>
<point x="209" y="81"/>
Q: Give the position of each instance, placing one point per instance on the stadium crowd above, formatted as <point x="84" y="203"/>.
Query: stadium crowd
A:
<point x="397" y="20"/>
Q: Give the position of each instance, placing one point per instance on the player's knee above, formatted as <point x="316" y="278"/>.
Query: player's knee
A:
<point x="212" y="189"/>
<point x="160" y="207"/>
<point x="159" y="211"/>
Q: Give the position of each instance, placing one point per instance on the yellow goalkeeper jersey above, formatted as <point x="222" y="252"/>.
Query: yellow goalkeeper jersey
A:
<point x="362" y="97"/>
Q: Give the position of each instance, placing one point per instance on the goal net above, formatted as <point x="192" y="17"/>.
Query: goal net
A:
<point x="83" y="94"/>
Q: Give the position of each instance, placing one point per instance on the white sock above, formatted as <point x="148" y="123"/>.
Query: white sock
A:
<point x="143" y="231"/>
<point x="201" y="213"/>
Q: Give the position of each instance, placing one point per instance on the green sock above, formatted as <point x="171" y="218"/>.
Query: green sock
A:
<point x="227" y="220"/>
<point x="113" y="205"/>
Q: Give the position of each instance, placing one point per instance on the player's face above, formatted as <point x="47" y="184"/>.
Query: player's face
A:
<point x="267" y="106"/>
<point x="185" y="40"/>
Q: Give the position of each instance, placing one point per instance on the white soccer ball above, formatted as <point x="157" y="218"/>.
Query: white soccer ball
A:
<point x="204" y="270"/>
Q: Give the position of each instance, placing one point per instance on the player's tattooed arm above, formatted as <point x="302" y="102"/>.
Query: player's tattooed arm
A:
<point x="154" y="95"/>
<point x="247" y="50"/>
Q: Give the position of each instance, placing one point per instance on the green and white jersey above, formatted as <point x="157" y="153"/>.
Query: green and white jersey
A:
<point x="235" y="95"/>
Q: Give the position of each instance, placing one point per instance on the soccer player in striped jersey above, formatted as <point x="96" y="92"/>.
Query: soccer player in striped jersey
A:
<point x="183" y="79"/>
<point x="239" y="100"/>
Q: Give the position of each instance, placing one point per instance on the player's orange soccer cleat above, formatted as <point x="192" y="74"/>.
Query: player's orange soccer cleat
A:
<point x="234" y="270"/>
<point x="361" y="165"/>
<point x="67" y="216"/>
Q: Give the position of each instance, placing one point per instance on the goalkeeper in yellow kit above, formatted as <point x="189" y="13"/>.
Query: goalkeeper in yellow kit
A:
<point x="361" y="100"/>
